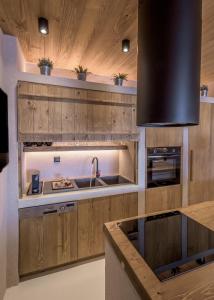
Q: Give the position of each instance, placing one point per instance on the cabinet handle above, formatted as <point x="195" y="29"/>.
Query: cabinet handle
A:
<point x="191" y="166"/>
<point x="47" y="212"/>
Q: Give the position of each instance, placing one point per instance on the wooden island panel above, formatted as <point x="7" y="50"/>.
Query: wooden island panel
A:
<point x="130" y="269"/>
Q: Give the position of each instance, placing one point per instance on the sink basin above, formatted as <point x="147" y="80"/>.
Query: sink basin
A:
<point x="111" y="180"/>
<point x="88" y="183"/>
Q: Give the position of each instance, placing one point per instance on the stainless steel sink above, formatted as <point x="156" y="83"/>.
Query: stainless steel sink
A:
<point x="112" y="180"/>
<point x="84" y="183"/>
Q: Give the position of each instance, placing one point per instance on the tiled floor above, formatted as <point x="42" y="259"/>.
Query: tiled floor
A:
<point x="86" y="281"/>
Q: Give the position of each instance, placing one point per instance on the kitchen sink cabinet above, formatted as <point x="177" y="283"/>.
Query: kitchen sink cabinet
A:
<point x="55" y="113"/>
<point x="201" y="156"/>
<point x="163" y="198"/>
<point x="47" y="240"/>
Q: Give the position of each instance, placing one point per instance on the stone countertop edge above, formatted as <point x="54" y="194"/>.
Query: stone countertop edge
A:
<point x="38" y="200"/>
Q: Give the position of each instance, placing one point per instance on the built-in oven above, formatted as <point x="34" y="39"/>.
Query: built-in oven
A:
<point x="163" y="166"/>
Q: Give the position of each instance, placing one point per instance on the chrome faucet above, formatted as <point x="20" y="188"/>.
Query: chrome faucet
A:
<point x="97" y="166"/>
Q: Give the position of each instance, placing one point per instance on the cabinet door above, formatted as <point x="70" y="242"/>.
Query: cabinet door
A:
<point x="201" y="146"/>
<point x="92" y="214"/>
<point x="163" y="198"/>
<point x="47" y="241"/>
<point x="164" y="137"/>
<point x="123" y="206"/>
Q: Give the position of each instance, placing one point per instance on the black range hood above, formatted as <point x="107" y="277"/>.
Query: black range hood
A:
<point x="169" y="62"/>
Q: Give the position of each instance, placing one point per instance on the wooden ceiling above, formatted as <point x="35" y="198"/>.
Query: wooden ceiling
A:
<point x="89" y="32"/>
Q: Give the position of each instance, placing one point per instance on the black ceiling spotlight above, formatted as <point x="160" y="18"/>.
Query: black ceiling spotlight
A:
<point x="125" y="45"/>
<point x="43" y="25"/>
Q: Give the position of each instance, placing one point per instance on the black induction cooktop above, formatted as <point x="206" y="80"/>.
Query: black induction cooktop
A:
<point x="171" y="243"/>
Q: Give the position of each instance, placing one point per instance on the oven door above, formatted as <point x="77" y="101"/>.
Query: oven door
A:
<point x="163" y="170"/>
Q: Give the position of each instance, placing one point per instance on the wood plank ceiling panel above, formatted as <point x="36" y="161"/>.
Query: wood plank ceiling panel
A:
<point x="89" y="32"/>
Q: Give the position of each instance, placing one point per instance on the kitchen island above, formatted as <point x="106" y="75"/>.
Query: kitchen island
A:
<point x="129" y="276"/>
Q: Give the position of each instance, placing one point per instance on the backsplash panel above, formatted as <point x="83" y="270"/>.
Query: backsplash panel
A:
<point x="72" y="164"/>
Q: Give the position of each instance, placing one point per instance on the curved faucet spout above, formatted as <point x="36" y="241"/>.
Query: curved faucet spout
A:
<point x="97" y="165"/>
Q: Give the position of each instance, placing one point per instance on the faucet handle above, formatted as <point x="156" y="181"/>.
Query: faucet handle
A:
<point x="98" y="173"/>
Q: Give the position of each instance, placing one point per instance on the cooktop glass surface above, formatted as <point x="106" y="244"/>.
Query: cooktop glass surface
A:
<point x="171" y="243"/>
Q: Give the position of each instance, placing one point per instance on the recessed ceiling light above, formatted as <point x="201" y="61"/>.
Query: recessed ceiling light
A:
<point x="125" y="45"/>
<point x="43" y="25"/>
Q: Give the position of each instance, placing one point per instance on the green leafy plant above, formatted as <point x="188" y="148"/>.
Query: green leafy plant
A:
<point x="120" y="76"/>
<point x="80" y="69"/>
<point x="45" y="62"/>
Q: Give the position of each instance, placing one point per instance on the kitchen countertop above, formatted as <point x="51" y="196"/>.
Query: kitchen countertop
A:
<point x="197" y="284"/>
<point x="41" y="199"/>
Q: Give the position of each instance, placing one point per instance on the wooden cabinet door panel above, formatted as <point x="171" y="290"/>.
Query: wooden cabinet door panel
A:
<point x="68" y="114"/>
<point x="55" y="116"/>
<point x="85" y="234"/>
<point x="201" y="157"/>
<point x="41" y="115"/>
<point x="163" y="198"/>
<point x="47" y="241"/>
<point x="164" y="137"/>
<point x="123" y="206"/>
<point x="31" y="237"/>
<point x="92" y="214"/>
<point x="26" y="116"/>
<point x="48" y="112"/>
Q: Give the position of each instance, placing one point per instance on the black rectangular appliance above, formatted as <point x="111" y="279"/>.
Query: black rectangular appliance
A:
<point x="171" y="243"/>
<point x="163" y="166"/>
<point x="4" y="144"/>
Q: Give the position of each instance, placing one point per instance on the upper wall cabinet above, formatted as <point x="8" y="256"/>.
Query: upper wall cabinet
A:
<point x="164" y="137"/>
<point x="55" y="113"/>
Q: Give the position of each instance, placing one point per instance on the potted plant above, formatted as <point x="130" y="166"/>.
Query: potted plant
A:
<point x="81" y="73"/>
<point x="204" y="90"/>
<point x="45" y="65"/>
<point x="118" y="78"/>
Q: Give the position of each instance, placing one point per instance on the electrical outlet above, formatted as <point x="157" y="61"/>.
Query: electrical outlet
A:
<point x="57" y="159"/>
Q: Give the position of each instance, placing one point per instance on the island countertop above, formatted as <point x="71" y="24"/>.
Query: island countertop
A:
<point x="197" y="284"/>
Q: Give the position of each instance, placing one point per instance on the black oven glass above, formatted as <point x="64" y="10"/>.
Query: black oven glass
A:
<point x="163" y="166"/>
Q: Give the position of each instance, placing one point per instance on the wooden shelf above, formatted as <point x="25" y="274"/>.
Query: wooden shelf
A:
<point x="73" y="148"/>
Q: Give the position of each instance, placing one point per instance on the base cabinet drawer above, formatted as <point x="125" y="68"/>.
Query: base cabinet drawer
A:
<point x="163" y="198"/>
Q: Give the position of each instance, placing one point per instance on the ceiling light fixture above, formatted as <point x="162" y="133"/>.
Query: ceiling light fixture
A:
<point x="43" y="25"/>
<point x="125" y="45"/>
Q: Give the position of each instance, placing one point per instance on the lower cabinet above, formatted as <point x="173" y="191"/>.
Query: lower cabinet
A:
<point x="54" y="235"/>
<point x="47" y="238"/>
<point x="93" y="213"/>
<point x="163" y="198"/>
